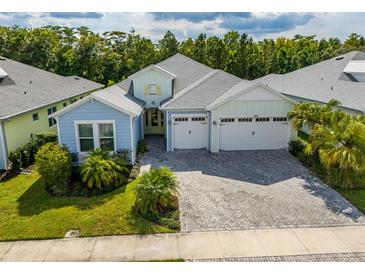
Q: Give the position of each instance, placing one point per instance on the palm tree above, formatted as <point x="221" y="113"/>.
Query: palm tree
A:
<point x="100" y="170"/>
<point x="311" y="114"/>
<point x="341" y="148"/>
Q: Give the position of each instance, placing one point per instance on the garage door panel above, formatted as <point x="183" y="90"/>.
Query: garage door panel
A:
<point x="263" y="134"/>
<point x="192" y="133"/>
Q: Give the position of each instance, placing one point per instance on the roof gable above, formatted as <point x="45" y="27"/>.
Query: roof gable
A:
<point x="249" y="91"/>
<point x="152" y="67"/>
<point x="113" y="97"/>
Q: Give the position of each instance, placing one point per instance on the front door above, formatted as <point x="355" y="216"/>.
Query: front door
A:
<point x="154" y="121"/>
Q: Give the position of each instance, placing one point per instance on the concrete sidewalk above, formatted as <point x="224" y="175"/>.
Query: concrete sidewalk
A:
<point x="191" y="246"/>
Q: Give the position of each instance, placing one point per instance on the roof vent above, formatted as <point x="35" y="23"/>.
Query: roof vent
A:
<point x="25" y="92"/>
<point x="321" y="78"/>
<point x="339" y="58"/>
<point x="77" y="78"/>
<point x="331" y="87"/>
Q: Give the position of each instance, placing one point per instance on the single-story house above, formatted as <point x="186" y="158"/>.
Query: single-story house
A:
<point x="196" y="107"/>
<point x="28" y="98"/>
<point x="192" y="105"/>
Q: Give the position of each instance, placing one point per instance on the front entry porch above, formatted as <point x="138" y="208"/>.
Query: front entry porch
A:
<point x="154" y="121"/>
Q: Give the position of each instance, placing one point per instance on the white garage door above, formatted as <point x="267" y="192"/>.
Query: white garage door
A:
<point x="253" y="133"/>
<point x="190" y="132"/>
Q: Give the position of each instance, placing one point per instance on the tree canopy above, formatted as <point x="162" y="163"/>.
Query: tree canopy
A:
<point x="112" y="56"/>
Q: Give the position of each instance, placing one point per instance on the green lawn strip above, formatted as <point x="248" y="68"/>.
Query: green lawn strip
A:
<point x="355" y="197"/>
<point x="27" y="211"/>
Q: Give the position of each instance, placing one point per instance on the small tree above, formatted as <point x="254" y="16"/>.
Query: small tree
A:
<point x="54" y="164"/>
<point x="156" y="190"/>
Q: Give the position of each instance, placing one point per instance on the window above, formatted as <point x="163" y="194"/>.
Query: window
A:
<point x="280" y="119"/>
<point x="227" y="120"/>
<point x="106" y="137"/>
<point x="198" y="119"/>
<point x="86" y="137"/>
<point x="242" y="120"/>
<point x="35" y="117"/>
<point x="181" y="119"/>
<point x="152" y="89"/>
<point x="73" y="100"/>
<point x="65" y="104"/>
<point x="94" y="135"/>
<point x="51" y="121"/>
<point x="263" y="119"/>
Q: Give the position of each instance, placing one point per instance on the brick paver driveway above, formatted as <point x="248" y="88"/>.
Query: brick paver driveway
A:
<point x="249" y="190"/>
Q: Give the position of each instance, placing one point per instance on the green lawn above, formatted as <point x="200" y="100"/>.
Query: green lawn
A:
<point x="355" y="197"/>
<point x="27" y="211"/>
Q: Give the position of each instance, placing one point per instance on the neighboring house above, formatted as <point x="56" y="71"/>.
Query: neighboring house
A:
<point x="193" y="106"/>
<point x="28" y="96"/>
<point x="341" y="78"/>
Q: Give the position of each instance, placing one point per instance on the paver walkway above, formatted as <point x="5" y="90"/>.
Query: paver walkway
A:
<point x="193" y="246"/>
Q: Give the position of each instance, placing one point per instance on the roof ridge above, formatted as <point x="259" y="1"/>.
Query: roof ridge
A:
<point x="193" y="85"/>
<point x="186" y="57"/>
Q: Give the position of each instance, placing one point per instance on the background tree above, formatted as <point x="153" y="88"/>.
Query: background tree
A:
<point x="113" y="55"/>
<point x="168" y="45"/>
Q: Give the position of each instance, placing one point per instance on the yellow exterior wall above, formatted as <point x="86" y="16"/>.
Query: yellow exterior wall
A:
<point x="18" y="129"/>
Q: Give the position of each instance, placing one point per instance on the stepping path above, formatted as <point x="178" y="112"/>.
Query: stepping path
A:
<point x="192" y="246"/>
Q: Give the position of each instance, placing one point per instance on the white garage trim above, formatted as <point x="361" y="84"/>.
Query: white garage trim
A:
<point x="247" y="133"/>
<point x="205" y="131"/>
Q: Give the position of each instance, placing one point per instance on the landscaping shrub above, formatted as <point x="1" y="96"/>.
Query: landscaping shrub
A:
<point x="141" y="147"/>
<point x="100" y="170"/>
<point x="296" y="147"/>
<point x="15" y="158"/>
<point x="156" y="191"/>
<point x="123" y="154"/>
<point x="46" y="137"/>
<point x="24" y="156"/>
<point x="54" y="164"/>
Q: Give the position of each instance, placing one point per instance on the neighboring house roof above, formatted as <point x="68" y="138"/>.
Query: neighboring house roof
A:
<point x="113" y="96"/>
<point x="201" y="95"/>
<point x="26" y="88"/>
<point x="322" y="82"/>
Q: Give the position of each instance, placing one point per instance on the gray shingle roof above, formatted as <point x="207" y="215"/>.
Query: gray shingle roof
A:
<point x="120" y="98"/>
<point x="206" y="92"/>
<point x="322" y="82"/>
<point x="186" y="70"/>
<point x="29" y="88"/>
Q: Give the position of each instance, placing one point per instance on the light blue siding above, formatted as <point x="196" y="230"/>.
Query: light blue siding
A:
<point x="152" y="76"/>
<point x="94" y="111"/>
<point x="169" y="140"/>
<point x="136" y="134"/>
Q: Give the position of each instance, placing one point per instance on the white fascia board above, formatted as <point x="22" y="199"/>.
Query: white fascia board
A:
<point x="171" y="75"/>
<point x="219" y="102"/>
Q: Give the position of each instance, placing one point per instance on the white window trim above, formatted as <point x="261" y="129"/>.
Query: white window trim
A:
<point x="95" y="133"/>
<point x="149" y="89"/>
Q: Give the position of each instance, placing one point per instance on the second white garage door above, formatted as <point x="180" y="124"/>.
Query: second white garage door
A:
<point x="190" y="132"/>
<point x="253" y="133"/>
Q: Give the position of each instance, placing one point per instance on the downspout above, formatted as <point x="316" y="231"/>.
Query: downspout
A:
<point x="4" y="145"/>
<point x="210" y="129"/>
